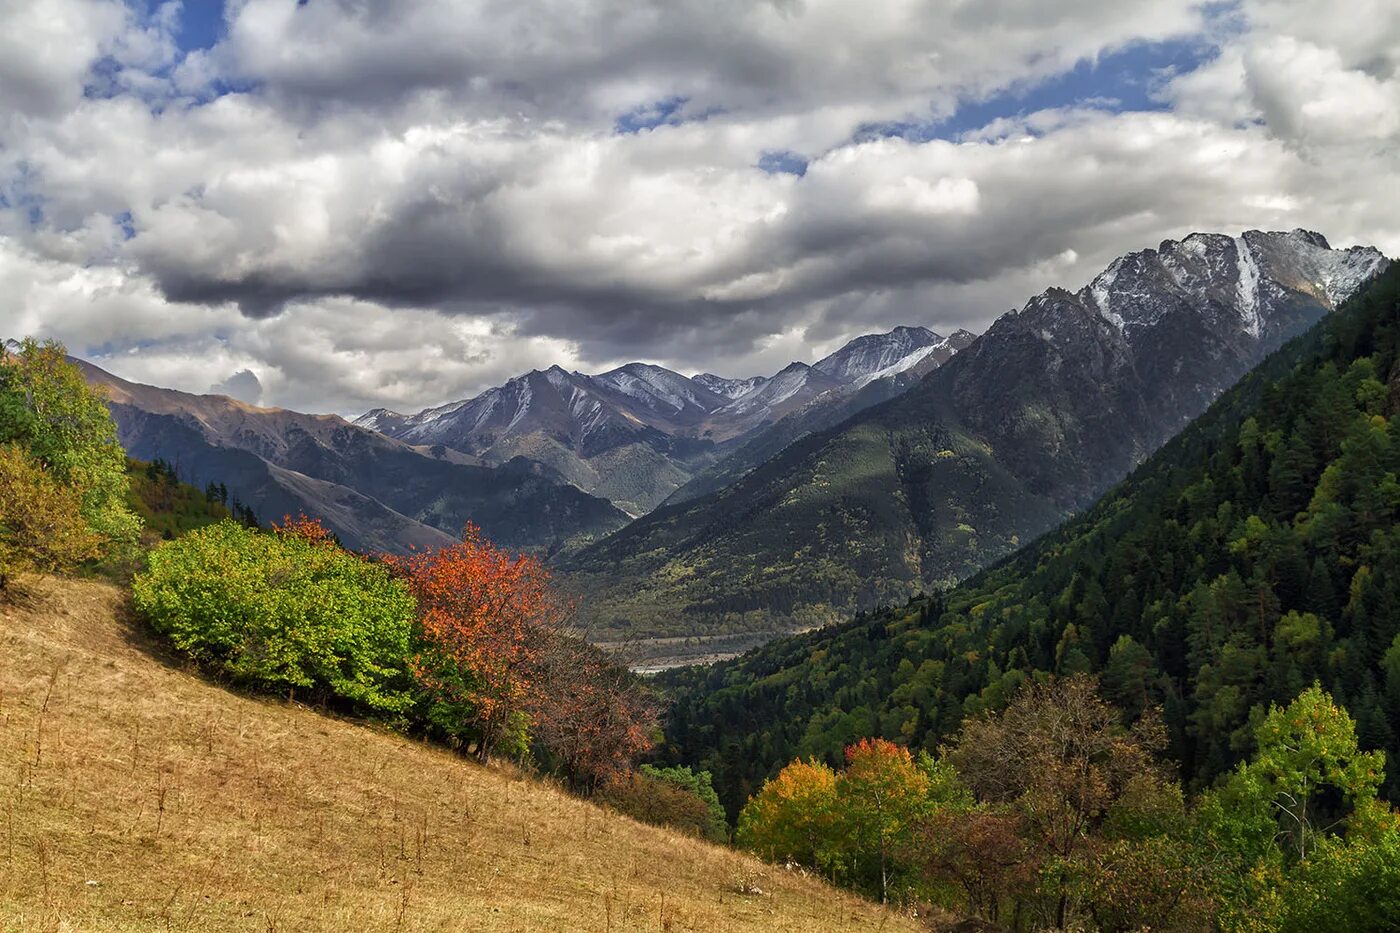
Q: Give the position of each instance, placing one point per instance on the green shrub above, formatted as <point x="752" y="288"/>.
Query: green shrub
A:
<point x="714" y="826"/>
<point x="655" y="801"/>
<point x="281" y="612"/>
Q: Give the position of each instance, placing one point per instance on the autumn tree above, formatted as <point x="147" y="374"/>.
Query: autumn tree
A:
<point x="647" y="798"/>
<point x="41" y="523"/>
<point x="677" y="797"/>
<point x="591" y="716"/>
<point x="880" y="795"/>
<point x="47" y="408"/>
<point x="307" y="529"/>
<point x="487" y="616"/>
<point x="793" y="817"/>
<point x="981" y="852"/>
<point x="1059" y="755"/>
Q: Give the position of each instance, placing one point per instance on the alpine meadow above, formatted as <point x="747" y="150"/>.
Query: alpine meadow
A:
<point x="571" y="466"/>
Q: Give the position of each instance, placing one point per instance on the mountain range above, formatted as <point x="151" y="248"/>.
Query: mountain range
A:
<point x="376" y="493"/>
<point x="1032" y="421"/>
<point x="698" y="506"/>
<point x="518" y="460"/>
<point x="636" y="434"/>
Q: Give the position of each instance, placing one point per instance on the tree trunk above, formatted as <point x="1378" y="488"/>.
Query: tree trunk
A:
<point x="883" y="880"/>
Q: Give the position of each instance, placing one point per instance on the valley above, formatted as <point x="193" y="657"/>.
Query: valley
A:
<point x="694" y="517"/>
<point x="686" y="467"/>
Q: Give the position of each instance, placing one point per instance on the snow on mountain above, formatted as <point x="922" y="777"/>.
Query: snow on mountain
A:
<point x="637" y="432"/>
<point x="921" y="360"/>
<point x="382" y="420"/>
<point x="872" y="353"/>
<point x="1240" y="282"/>
<point x="729" y="388"/>
<point x="782" y="387"/>
<point x="660" y="388"/>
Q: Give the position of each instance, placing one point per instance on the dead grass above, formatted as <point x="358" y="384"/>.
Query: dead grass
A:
<point x="135" y="795"/>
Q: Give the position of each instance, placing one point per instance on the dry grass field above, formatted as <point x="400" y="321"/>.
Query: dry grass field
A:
<point x="135" y="795"/>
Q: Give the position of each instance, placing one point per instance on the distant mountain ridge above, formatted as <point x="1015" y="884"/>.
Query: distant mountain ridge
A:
<point x="828" y="409"/>
<point x="637" y="433"/>
<point x="376" y="493"/>
<point x="1032" y="421"/>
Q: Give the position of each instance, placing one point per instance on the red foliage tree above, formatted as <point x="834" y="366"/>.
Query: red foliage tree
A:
<point x="486" y="616"/>
<point x="592" y="715"/>
<point x="303" y="527"/>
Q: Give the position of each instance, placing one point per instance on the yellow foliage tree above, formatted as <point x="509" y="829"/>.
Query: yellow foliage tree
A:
<point x="42" y="527"/>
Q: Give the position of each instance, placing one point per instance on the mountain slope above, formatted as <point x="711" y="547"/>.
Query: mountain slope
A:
<point x="142" y="797"/>
<point x="868" y="388"/>
<point x="865" y="357"/>
<point x="1254" y="553"/>
<point x="1043" y="412"/>
<point x="378" y="494"/>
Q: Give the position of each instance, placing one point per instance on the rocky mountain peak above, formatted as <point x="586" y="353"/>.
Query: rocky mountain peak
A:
<point x="872" y="353"/>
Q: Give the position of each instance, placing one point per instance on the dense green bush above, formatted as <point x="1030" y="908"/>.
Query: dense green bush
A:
<point x="714" y="825"/>
<point x="656" y="801"/>
<point x="283" y="612"/>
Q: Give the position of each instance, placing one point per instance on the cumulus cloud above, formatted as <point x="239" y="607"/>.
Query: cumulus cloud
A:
<point x="372" y="203"/>
<point x="242" y="385"/>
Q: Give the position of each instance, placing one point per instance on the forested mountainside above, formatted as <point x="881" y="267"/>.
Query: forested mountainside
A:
<point x="1254" y="554"/>
<point x="376" y="493"/>
<point x="636" y="433"/>
<point x="1041" y="414"/>
<point x="169" y="508"/>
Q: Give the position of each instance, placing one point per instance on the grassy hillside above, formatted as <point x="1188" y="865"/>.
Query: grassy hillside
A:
<point x="135" y="795"/>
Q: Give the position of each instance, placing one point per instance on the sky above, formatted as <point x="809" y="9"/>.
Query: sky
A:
<point x="334" y="205"/>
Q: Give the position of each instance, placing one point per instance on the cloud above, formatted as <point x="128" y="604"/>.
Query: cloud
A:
<point x="242" y="385"/>
<point x="370" y="203"/>
<point x="47" y="51"/>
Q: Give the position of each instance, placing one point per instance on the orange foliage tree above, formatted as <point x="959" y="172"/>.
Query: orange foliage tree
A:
<point x="308" y="529"/>
<point x="486" y="616"/>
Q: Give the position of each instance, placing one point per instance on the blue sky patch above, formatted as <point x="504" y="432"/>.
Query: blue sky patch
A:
<point x="1126" y="80"/>
<point x="782" y="162"/>
<point x="201" y="24"/>
<point x="649" y="116"/>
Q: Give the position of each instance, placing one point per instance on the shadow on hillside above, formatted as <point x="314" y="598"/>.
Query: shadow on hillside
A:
<point x="21" y="596"/>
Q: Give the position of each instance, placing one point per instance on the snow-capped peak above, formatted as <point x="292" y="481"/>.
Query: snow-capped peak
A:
<point x="657" y="386"/>
<point x="872" y="353"/>
<point x="375" y="418"/>
<point x="1240" y="277"/>
<point x="729" y="388"/>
